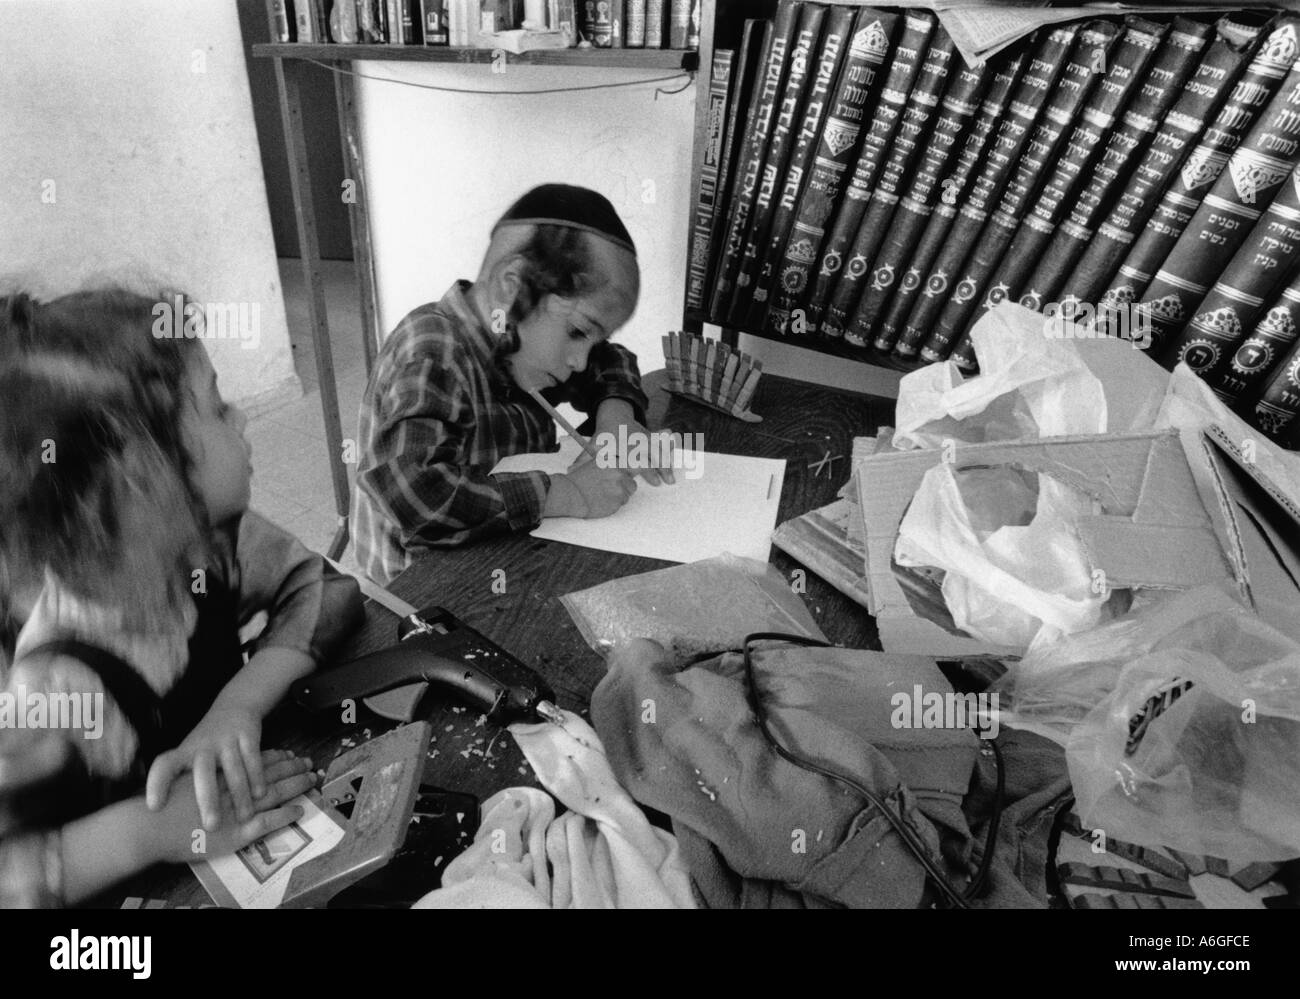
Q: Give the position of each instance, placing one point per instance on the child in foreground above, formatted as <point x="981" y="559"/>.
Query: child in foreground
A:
<point x="43" y="865"/>
<point x="449" y="394"/>
<point x="129" y="560"/>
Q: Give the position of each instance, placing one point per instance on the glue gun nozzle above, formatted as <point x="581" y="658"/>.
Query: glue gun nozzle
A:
<point x="549" y="712"/>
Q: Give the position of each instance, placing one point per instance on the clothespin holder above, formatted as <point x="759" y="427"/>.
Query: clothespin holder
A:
<point x="712" y="374"/>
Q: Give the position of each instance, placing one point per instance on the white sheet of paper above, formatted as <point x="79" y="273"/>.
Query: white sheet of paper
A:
<point x="730" y="507"/>
<point x="257" y="876"/>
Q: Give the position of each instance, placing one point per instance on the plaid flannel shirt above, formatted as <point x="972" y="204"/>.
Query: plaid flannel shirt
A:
<point x="439" y="412"/>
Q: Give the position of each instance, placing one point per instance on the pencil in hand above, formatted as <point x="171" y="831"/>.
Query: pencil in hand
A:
<point x="565" y="425"/>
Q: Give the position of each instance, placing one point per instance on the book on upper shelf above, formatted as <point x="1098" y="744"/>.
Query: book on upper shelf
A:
<point x="1092" y="51"/>
<point x="1166" y="114"/>
<point x="1259" y="269"/>
<point x="918" y="117"/>
<point x="921" y="223"/>
<point x="697" y="257"/>
<point x="656" y="24"/>
<point x="778" y="39"/>
<point x="634" y="25"/>
<point x="905" y="64"/>
<point x="280" y="15"/>
<point x="433" y="18"/>
<point x="1089" y="259"/>
<point x="841" y="136"/>
<point x="1149" y="245"/>
<point x="975" y="200"/>
<point x="1243" y="372"/>
<point x="1255" y="174"/>
<point x="596" y="22"/>
<point x="679" y="22"/>
<point x="1144" y="62"/>
<point x="795" y="96"/>
<point x="1274" y="410"/>
<point x="742" y="87"/>
<point x="401" y="25"/>
<point x="1090" y="156"/>
<point x="832" y="50"/>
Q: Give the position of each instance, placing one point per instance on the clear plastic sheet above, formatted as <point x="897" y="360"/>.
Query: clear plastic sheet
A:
<point x="1030" y="385"/>
<point x="1197" y="747"/>
<point x="705" y="606"/>
<point x="1058" y="682"/>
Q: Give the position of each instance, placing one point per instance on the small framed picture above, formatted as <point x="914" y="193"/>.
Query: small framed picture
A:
<point x="270" y="853"/>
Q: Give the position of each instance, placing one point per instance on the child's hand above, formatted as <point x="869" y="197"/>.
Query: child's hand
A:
<point x="615" y="417"/>
<point x="170" y="833"/>
<point x="587" y="490"/>
<point x="230" y="734"/>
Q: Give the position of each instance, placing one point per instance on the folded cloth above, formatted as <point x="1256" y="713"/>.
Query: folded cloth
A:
<point x="601" y="854"/>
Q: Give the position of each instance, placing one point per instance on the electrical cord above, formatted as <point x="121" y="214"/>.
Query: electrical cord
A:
<point x="690" y="77"/>
<point x="979" y="884"/>
<point x="905" y="832"/>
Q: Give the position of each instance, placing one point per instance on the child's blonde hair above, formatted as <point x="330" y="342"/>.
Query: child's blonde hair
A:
<point x="97" y="485"/>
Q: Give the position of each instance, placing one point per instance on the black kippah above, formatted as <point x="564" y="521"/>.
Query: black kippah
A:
<point x="574" y="207"/>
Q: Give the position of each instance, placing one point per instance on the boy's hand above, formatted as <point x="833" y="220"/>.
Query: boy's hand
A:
<point x="615" y="414"/>
<point x="587" y="490"/>
<point x="169" y="835"/>
<point x="230" y="734"/>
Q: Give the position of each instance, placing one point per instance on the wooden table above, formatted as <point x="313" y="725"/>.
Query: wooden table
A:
<point x="801" y="423"/>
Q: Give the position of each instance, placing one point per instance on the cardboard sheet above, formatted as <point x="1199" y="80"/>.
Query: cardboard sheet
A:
<point x="1259" y="522"/>
<point x="1139" y="480"/>
<point x="730" y="507"/>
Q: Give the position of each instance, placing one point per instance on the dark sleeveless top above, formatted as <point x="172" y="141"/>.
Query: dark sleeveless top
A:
<point x="161" y="723"/>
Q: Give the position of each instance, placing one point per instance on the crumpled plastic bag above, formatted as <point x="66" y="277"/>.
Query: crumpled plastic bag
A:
<point x="1059" y="681"/>
<point x="705" y="606"/>
<point x="1015" y="568"/>
<point x="1198" y="746"/>
<point x="1030" y="385"/>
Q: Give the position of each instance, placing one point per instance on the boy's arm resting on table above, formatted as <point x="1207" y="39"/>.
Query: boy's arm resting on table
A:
<point x="611" y="373"/>
<point x="609" y="391"/>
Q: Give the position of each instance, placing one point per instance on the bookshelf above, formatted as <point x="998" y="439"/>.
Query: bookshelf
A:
<point x="290" y="59"/>
<point x="721" y="26"/>
<point x="723" y="30"/>
<point x="661" y="59"/>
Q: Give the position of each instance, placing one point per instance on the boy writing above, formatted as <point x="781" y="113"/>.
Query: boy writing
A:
<point x="448" y="397"/>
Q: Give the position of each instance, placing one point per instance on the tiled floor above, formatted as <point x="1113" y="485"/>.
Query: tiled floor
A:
<point x="291" y="476"/>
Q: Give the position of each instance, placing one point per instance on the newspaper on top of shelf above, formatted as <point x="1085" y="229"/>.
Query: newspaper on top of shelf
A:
<point x="981" y="30"/>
